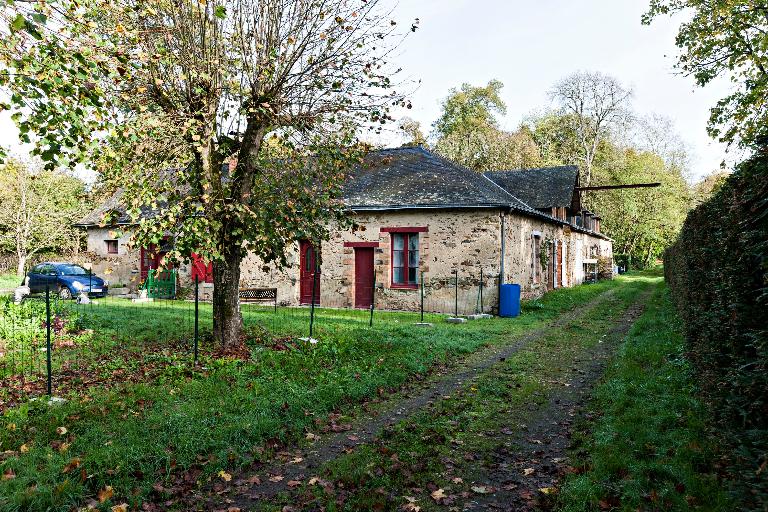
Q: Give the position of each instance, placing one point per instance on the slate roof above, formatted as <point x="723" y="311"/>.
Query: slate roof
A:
<point x="414" y="177"/>
<point x="549" y="187"/>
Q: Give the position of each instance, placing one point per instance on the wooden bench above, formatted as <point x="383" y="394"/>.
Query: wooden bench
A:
<point x="260" y="295"/>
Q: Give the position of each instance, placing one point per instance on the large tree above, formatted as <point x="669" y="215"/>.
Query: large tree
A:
<point x="37" y="209"/>
<point x="470" y="108"/>
<point x="725" y="38"/>
<point x="468" y="131"/>
<point x="594" y="104"/>
<point x="188" y="92"/>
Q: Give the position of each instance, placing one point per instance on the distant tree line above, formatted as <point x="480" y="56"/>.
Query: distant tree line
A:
<point x="593" y="126"/>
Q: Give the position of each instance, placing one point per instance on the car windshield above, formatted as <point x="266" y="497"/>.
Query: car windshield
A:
<point x="72" y="270"/>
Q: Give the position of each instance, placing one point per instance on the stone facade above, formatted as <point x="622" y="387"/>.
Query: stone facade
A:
<point x="466" y="241"/>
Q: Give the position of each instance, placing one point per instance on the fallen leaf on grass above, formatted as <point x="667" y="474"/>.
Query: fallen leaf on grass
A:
<point x="293" y="483"/>
<point x="296" y="460"/>
<point x="438" y="494"/>
<point x="225" y="476"/>
<point x="482" y="489"/>
<point x="233" y="509"/>
<point x="276" y="478"/>
<point x="24" y="448"/>
<point x="547" y="490"/>
<point x="9" y="474"/>
<point x="73" y="464"/>
<point x="312" y="437"/>
<point x="457" y="480"/>
<point x="353" y="438"/>
<point x="411" y="505"/>
<point x="105" y="494"/>
<point x="61" y="431"/>
<point x="528" y="471"/>
<point x="255" y="480"/>
<point x="123" y="507"/>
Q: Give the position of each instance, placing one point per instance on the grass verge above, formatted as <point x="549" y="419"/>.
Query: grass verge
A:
<point x="648" y="447"/>
<point x="124" y="438"/>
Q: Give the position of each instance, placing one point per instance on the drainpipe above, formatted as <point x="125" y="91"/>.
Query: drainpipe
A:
<point x="503" y="248"/>
<point x="501" y="259"/>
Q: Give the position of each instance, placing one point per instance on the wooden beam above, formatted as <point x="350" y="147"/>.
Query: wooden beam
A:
<point x="615" y="187"/>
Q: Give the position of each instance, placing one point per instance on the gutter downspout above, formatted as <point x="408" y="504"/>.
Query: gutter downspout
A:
<point x="501" y="259"/>
<point x="503" y="248"/>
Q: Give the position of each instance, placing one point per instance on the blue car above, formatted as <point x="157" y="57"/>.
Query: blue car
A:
<point x="66" y="279"/>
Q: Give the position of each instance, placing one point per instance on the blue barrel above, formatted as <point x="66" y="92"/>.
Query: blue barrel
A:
<point x="509" y="303"/>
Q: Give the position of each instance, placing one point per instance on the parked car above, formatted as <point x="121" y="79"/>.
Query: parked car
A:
<point x="67" y="279"/>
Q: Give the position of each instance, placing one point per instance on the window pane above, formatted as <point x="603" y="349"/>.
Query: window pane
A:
<point x="398" y="241"/>
<point x="397" y="276"/>
<point x="413" y="242"/>
<point x="413" y="258"/>
<point x="412" y="276"/>
<point x="397" y="259"/>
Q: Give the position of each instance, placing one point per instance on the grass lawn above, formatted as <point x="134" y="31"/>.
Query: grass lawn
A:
<point x="9" y="281"/>
<point x="138" y="413"/>
<point x="649" y="447"/>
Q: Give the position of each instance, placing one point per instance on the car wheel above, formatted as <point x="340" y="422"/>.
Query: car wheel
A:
<point x="64" y="293"/>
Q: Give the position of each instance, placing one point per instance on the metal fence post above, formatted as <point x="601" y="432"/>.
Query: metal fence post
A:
<point x="373" y="300"/>
<point x="312" y="305"/>
<point x="48" y="335"/>
<point x="456" y="294"/>
<point x="422" y="296"/>
<point x="197" y="315"/>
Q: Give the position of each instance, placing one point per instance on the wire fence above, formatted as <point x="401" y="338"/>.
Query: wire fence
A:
<point x="45" y="338"/>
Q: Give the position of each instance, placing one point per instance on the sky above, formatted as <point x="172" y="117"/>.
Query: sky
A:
<point x="529" y="45"/>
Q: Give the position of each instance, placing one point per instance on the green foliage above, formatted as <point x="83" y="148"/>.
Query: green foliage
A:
<point x="471" y="108"/>
<point x="650" y="440"/>
<point x="37" y="209"/>
<point x="467" y="132"/>
<point x="718" y="274"/>
<point x="725" y="38"/>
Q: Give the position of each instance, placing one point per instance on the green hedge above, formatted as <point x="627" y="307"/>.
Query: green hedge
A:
<point x="718" y="273"/>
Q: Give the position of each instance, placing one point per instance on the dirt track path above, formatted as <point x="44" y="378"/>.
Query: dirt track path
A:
<point x="544" y="446"/>
<point x="247" y="490"/>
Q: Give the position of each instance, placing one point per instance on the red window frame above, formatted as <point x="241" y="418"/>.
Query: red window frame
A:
<point x="405" y="259"/>
<point x="110" y="245"/>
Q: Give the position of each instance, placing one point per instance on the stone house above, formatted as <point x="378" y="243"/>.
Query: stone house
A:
<point x="419" y="217"/>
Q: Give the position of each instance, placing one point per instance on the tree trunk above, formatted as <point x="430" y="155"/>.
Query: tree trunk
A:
<point x="22" y="265"/>
<point x="227" y="321"/>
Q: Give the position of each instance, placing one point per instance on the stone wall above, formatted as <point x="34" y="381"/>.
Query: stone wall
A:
<point x="465" y="241"/>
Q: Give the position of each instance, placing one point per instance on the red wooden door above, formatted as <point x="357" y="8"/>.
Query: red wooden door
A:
<point x="363" y="277"/>
<point x="309" y="266"/>
<point x="201" y="270"/>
